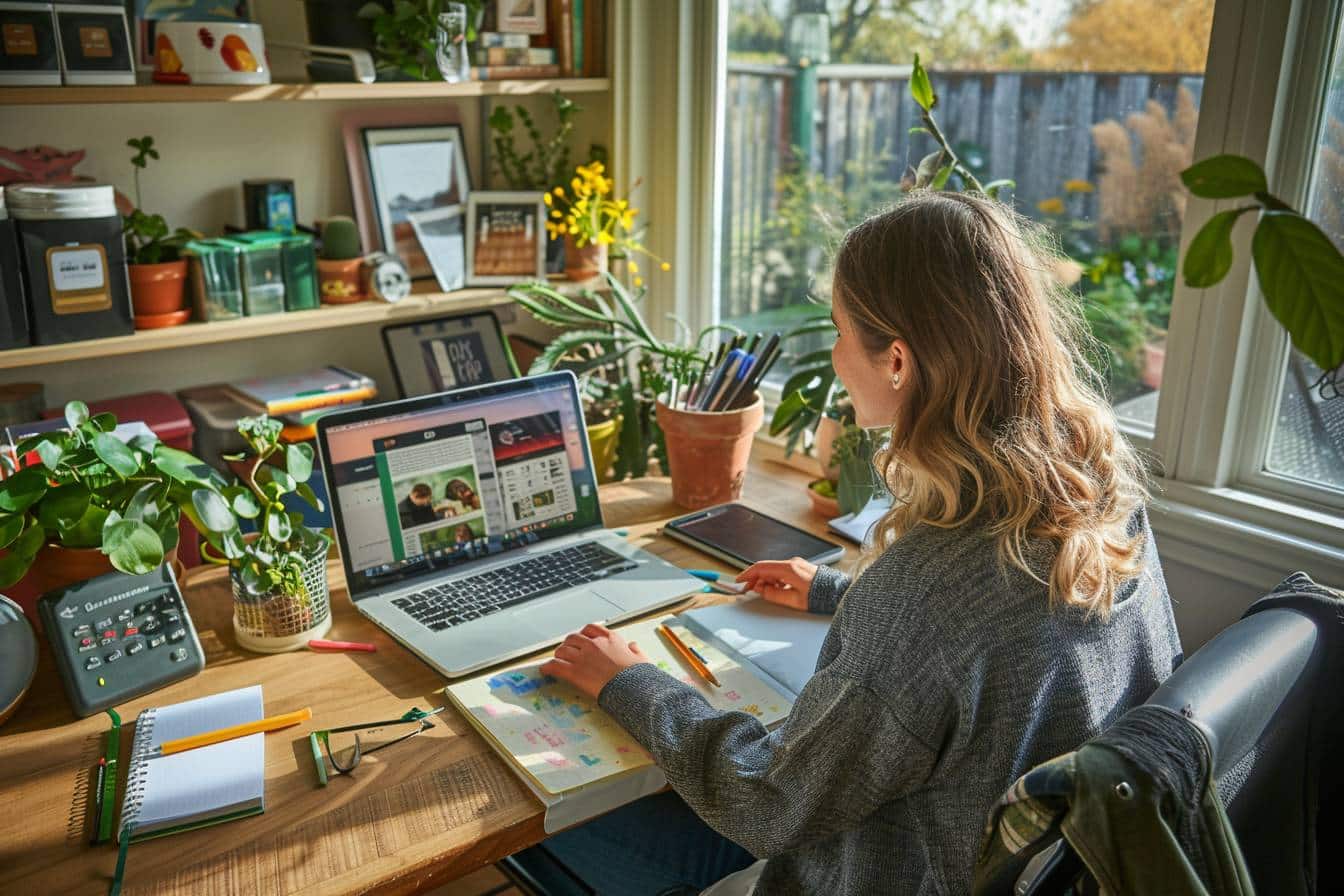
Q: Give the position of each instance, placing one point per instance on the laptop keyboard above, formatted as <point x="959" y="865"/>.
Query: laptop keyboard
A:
<point x="462" y="600"/>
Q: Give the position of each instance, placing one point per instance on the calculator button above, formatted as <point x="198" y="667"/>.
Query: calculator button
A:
<point x="109" y="632"/>
<point x="103" y="642"/>
<point x="82" y="631"/>
<point x="144" y="607"/>
<point x="104" y="623"/>
<point x="113" y="656"/>
<point x="177" y="634"/>
<point x="151" y="625"/>
<point x="87" y="644"/>
<point x="179" y="654"/>
<point x="135" y="647"/>
<point x="157" y="640"/>
<point x="92" y="663"/>
<point x="130" y="630"/>
<point x="168" y="600"/>
<point x="172" y="616"/>
<point x="125" y="615"/>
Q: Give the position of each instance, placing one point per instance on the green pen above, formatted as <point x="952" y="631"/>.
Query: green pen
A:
<point x="110" y="752"/>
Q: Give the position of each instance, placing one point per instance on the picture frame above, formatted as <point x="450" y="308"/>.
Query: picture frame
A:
<point x="378" y="231"/>
<point x="521" y="16"/>
<point x="29" y="55"/>
<point x="442" y="236"/>
<point x="506" y="237"/>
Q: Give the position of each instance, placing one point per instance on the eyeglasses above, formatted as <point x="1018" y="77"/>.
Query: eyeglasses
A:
<point x="347" y="745"/>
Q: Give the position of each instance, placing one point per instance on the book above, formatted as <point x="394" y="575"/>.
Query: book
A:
<point x="569" y="752"/>
<point x="200" y="787"/>
<point x="513" y="56"/>
<point x="561" y="17"/>
<point x="577" y="28"/>
<point x="500" y="39"/>
<point x="780" y="645"/>
<point x="594" y="39"/>
<point x="510" y="72"/>
<point x="320" y="388"/>
<point x="856" y="526"/>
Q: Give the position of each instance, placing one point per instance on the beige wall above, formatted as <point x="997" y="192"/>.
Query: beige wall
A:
<point x="207" y="150"/>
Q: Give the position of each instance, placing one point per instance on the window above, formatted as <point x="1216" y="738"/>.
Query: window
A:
<point x="1090" y="108"/>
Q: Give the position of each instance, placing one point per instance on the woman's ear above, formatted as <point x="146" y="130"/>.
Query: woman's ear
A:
<point x="900" y="358"/>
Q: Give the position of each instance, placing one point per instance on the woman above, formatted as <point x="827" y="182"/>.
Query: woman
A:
<point x="1012" y="605"/>
<point x="458" y="498"/>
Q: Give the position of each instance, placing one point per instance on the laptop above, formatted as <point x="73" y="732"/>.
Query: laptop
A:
<point x="451" y="351"/>
<point x="469" y="526"/>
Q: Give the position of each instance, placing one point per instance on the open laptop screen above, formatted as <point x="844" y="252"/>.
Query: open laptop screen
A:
<point x="425" y="484"/>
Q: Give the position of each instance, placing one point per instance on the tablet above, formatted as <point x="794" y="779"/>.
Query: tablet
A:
<point x="447" y="352"/>
<point x="740" y="536"/>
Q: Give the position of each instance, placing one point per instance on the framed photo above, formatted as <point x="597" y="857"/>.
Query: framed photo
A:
<point x="521" y="16"/>
<point x="29" y="55"/>
<point x="442" y="237"/>
<point x="506" y="238"/>
<point x="402" y="161"/>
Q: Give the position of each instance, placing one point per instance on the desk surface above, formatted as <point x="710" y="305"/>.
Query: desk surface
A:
<point x="435" y="808"/>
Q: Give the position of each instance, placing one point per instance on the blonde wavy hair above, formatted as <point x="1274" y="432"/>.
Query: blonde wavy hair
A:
<point x="1005" y="422"/>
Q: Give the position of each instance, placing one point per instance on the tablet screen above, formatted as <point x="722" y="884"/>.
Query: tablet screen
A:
<point x="751" y="536"/>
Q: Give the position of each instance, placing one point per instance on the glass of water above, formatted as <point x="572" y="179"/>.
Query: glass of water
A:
<point x="450" y="50"/>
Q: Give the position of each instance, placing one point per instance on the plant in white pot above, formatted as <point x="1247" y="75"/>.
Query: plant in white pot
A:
<point x="158" y="273"/>
<point x="279" y="572"/>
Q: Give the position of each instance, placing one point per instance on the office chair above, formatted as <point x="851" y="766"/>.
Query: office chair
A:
<point x="1252" y="691"/>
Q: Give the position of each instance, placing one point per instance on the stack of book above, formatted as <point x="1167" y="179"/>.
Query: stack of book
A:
<point x="569" y="41"/>
<point x="300" y="399"/>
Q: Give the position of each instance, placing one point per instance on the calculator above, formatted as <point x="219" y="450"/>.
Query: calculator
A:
<point x="119" y="636"/>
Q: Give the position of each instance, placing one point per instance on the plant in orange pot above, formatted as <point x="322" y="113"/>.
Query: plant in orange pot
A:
<point x="595" y="223"/>
<point x="339" y="263"/>
<point x="158" y="274"/>
<point x="80" y="502"/>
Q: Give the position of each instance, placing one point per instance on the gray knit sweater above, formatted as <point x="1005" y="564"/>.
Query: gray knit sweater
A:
<point x="943" y="679"/>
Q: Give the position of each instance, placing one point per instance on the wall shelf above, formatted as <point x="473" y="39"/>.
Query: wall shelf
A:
<point x="200" y="93"/>
<point x="324" y="318"/>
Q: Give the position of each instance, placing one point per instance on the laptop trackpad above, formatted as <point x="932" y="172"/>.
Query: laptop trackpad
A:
<point x="553" y="618"/>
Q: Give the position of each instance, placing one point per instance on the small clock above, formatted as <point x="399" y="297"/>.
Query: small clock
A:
<point x="386" y="278"/>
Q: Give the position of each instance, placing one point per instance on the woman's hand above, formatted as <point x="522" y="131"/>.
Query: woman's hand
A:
<point x="783" y="582"/>
<point x="590" y="658"/>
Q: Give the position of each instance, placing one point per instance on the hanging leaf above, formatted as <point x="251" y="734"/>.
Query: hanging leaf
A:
<point x="22" y="490"/>
<point x="1224" y="177"/>
<point x="212" y="510"/>
<point x="1209" y="257"/>
<point x="1302" y="276"/>
<point x="921" y="88"/>
<point x="133" y="547"/>
<point x="10" y="527"/>
<point x="306" y="493"/>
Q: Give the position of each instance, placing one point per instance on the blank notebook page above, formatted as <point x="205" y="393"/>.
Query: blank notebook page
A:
<point x="198" y="784"/>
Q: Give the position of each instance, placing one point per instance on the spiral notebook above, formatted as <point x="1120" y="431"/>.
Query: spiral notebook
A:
<point x="200" y="787"/>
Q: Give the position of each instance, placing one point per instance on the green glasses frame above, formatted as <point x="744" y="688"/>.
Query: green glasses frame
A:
<point x="320" y="743"/>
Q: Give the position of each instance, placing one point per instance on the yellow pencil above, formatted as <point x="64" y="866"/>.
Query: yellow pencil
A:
<point x="701" y="669"/>
<point x="214" y="737"/>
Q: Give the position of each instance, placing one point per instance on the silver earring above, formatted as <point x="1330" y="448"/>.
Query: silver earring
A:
<point x="895" y="381"/>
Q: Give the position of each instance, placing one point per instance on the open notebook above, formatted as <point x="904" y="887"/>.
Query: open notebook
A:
<point x="194" y="788"/>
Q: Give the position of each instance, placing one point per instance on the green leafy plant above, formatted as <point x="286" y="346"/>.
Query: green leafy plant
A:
<point x="944" y="164"/>
<point x="271" y="562"/>
<point x="88" y="489"/>
<point x="852" y="454"/>
<point x="405" y="33"/>
<point x="149" y="240"/>
<point x="547" y="162"/>
<point x="1300" y="271"/>
<point x="619" y="360"/>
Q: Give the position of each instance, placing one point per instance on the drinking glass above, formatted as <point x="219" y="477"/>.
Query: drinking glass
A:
<point x="450" y="49"/>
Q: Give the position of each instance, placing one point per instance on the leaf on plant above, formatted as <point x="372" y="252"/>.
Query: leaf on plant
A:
<point x="133" y="547"/>
<point x="113" y="452"/>
<point x="306" y="493"/>
<point x="103" y="422"/>
<point x="299" y="461"/>
<point x="940" y="179"/>
<point x="22" y="490"/>
<point x="245" y="505"/>
<point x="277" y="526"/>
<point x="1209" y="257"/>
<point x="921" y="88"/>
<point x="1302" y="276"/>
<point x="994" y="187"/>
<point x="928" y="168"/>
<point x="787" y="411"/>
<point x="51" y="453"/>
<point x="63" y="506"/>
<point x="1224" y="177"/>
<point x="87" y="531"/>
<point x="212" y="510"/>
<point x="10" y="527"/>
<point x="76" y="412"/>
<point x="180" y="465"/>
<point x="140" y="506"/>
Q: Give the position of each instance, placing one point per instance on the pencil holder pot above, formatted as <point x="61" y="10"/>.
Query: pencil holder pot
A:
<point x="708" y="451"/>
<point x="276" y="623"/>
<point x="603" y="438"/>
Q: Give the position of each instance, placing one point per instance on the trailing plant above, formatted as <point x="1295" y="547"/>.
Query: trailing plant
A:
<point x="618" y="359"/>
<point x="272" y="562"/>
<point x="82" y="487"/>
<point x="546" y="163"/>
<point x="149" y="240"/>
<point x="406" y="31"/>
<point x="1299" y="268"/>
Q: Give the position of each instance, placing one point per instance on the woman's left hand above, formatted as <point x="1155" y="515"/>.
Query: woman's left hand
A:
<point x="590" y="658"/>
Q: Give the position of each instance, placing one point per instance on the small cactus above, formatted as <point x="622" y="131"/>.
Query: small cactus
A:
<point x="340" y="239"/>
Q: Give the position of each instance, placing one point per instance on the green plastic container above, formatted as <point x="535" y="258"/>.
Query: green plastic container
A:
<point x="262" y="270"/>
<point x="298" y="264"/>
<point x="216" y="284"/>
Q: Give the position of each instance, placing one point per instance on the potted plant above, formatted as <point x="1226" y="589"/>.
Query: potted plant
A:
<point x="278" y="572"/>
<point x="592" y="219"/>
<point x="158" y="275"/>
<point x="339" y="263"/>
<point x="405" y="34"/>
<point x="80" y="502"/>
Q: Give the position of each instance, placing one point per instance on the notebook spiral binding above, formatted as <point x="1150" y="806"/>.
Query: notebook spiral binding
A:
<point x="137" y="772"/>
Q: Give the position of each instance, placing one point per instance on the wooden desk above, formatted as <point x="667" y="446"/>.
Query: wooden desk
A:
<point x="425" y="812"/>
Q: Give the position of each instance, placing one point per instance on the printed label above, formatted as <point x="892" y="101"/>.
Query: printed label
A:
<point x="95" y="41"/>
<point x="20" y="40"/>
<point x="78" y="278"/>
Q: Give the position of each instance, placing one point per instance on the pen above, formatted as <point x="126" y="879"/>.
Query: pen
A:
<point x="213" y="737"/>
<point x="740" y="380"/>
<point x="700" y="668"/>
<point x="716" y="579"/>
<point x="723" y="378"/>
<point x="98" y="799"/>
<point x="321" y="644"/>
<point x="109" y="787"/>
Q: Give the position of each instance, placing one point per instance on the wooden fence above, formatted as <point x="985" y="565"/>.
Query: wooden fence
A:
<point x="1032" y="127"/>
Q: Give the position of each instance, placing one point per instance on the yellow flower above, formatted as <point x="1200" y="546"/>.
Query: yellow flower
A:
<point x="605" y="239"/>
<point x="1078" y="186"/>
<point x="559" y="191"/>
<point x="665" y="266"/>
<point x="1052" y="206"/>
<point x="556" y="213"/>
<point x="634" y="268"/>
<point x="639" y="281"/>
<point x="576" y="184"/>
<point x="546" y="198"/>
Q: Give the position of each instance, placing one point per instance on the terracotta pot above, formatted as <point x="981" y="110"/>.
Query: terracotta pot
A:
<point x="340" y="281"/>
<point x="821" y="504"/>
<point x="1154" y="358"/>
<point x="828" y="430"/>
<point x="707" y="452"/>
<point x="603" y="438"/>
<point x="586" y="262"/>
<point x="158" y="288"/>
<point x="57" y="566"/>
